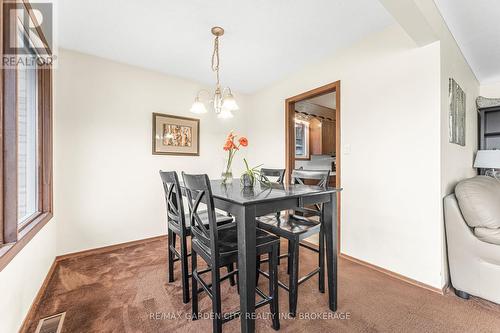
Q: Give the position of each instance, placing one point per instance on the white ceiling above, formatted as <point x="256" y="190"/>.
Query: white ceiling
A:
<point x="475" y="26"/>
<point x="265" y="39"/>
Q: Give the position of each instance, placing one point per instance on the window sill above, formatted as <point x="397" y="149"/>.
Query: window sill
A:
<point x="9" y="251"/>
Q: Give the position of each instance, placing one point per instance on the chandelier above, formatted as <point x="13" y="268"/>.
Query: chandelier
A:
<point x="222" y="100"/>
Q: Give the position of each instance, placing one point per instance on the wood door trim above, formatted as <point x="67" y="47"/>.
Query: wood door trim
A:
<point x="289" y="137"/>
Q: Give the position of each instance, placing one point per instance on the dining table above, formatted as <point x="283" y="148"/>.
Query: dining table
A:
<point x="248" y="203"/>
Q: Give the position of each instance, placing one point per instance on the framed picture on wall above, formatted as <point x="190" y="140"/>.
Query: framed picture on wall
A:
<point x="174" y="135"/>
<point x="457" y="100"/>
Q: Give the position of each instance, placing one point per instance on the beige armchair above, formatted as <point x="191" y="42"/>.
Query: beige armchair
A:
<point x="472" y="219"/>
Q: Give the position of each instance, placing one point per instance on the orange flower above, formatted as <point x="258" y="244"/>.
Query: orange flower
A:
<point x="228" y="145"/>
<point x="243" y="141"/>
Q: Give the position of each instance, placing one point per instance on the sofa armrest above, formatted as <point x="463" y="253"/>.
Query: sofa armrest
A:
<point x="461" y="245"/>
<point x="473" y="263"/>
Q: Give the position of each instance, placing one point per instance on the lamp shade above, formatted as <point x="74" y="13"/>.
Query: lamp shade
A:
<point x="230" y="103"/>
<point x="487" y="159"/>
<point x="225" y="114"/>
<point x="198" y="107"/>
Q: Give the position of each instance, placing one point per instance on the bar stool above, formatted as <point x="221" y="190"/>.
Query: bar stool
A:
<point x="218" y="246"/>
<point x="295" y="229"/>
<point x="177" y="225"/>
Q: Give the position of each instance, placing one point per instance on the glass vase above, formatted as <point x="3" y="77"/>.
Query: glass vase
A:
<point x="227" y="176"/>
<point x="227" y="172"/>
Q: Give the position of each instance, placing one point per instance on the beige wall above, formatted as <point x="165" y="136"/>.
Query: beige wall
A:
<point x="23" y="277"/>
<point x="490" y="90"/>
<point x="390" y="121"/>
<point x="107" y="187"/>
<point x="456" y="161"/>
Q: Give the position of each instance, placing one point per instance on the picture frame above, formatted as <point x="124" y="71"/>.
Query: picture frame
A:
<point x="175" y="135"/>
<point x="457" y="113"/>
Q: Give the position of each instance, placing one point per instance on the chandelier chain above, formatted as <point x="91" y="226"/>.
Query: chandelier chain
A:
<point x="216" y="59"/>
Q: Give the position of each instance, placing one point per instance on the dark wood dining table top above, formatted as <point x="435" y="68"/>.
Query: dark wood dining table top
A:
<point x="236" y="193"/>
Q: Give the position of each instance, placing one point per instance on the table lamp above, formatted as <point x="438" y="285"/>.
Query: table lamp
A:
<point x="488" y="159"/>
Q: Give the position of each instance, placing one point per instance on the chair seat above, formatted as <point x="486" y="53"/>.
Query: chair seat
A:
<point x="221" y="219"/>
<point x="289" y="225"/>
<point x="228" y="240"/>
<point x="307" y="212"/>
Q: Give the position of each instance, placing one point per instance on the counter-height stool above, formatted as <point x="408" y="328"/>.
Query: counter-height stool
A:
<point x="178" y="225"/>
<point x="218" y="247"/>
<point x="295" y="228"/>
<point x="279" y="174"/>
<point x="276" y="176"/>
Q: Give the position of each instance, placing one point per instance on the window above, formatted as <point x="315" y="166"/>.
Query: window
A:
<point x="301" y="139"/>
<point x="27" y="143"/>
<point x="26" y="125"/>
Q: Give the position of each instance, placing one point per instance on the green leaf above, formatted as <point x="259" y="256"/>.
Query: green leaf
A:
<point x="246" y="163"/>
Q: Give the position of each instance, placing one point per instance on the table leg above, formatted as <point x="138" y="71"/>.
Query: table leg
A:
<point x="330" y="226"/>
<point x="246" y="266"/>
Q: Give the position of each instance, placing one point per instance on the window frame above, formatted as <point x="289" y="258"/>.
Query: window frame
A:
<point x="14" y="236"/>
<point x="306" y="132"/>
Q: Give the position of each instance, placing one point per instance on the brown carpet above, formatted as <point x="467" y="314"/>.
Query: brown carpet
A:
<point x="126" y="291"/>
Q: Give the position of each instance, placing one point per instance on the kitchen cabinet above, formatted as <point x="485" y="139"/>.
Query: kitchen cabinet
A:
<point x="322" y="137"/>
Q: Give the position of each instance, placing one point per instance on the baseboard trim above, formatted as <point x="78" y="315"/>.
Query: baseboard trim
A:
<point x="36" y="302"/>
<point x="109" y="248"/>
<point x="394" y="275"/>
<point x="38" y="298"/>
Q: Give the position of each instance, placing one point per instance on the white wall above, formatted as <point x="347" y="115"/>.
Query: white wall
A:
<point x="490" y="90"/>
<point x="456" y="161"/>
<point x="390" y="119"/>
<point x="107" y="187"/>
<point x="23" y="277"/>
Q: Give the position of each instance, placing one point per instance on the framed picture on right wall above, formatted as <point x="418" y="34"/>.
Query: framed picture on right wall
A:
<point x="457" y="101"/>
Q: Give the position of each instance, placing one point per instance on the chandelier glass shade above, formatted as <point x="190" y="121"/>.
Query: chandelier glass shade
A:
<point x="222" y="99"/>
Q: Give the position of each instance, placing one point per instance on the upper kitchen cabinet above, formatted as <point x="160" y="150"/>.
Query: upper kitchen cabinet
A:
<point x="322" y="136"/>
